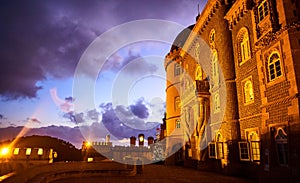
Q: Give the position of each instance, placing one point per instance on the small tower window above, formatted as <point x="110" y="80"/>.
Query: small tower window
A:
<point x="177" y="69"/>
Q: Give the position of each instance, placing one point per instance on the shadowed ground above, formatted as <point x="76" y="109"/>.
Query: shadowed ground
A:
<point x="160" y="173"/>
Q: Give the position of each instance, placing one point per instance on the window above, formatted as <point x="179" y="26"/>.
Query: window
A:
<point x="28" y="151"/>
<point x="255" y="150"/>
<point x="198" y="73"/>
<point x="216" y="102"/>
<point x="263" y="10"/>
<point x="40" y="151"/>
<point x="220" y="151"/>
<point x="248" y="91"/>
<point x="215" y="69"/>
<point x="177" y="103"/>
<point x="212" y="36"/>
<point x="178" y="123"/>
<point x="250" y="150"/>
<point x="177" y="69"/>
<point x="212" y="150"/>
<point x="16" y="151"/>
<point x="245" y="47"/>
<point x="244" y="151"/>
<point x="274" y="66"/>
<point x="281" y="146"/>
<point x="216" y="149"/>
<point x="255" y="146"/>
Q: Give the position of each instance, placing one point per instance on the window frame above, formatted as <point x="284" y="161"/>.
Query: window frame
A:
<point x="248" y="92"/>
<point x="273" y="64"/>
<point x="263" y="10"/>
<point x="212" y="146"/>
<point x="247" y="148"/>
<point x="217" y="102"/>
<point x="177" y="69"/>
<point x="282" y="142"/>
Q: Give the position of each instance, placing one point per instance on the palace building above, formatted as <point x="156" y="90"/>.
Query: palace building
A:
<point x="232" y="92"/>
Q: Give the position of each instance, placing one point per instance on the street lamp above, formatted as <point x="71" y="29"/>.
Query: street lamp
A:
<point x="4" y="151"/>
<point x="141" y="139"/>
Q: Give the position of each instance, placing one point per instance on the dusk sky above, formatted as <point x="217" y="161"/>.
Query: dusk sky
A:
<point x="41" y="43"/>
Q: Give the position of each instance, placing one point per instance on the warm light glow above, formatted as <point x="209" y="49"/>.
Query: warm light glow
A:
<point x="90" y="159"/>
<point x="141" y="138"/>
<point x="40" y="151"/>
<point x="4" y="151"/>
<point x="28" y="151"/>
<point x="88" y="144"/>
<point x="16" y="151"/>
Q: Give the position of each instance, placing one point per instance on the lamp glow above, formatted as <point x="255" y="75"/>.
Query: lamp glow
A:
<point x="4" y="151"/>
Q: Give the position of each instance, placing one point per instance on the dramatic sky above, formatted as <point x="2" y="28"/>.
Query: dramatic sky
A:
<point x="41" y="43"/>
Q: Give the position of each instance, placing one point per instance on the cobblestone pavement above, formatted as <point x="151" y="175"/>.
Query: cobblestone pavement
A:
<point x="160" y="173"/>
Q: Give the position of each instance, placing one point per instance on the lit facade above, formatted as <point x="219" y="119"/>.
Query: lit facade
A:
<point x="232" y="104"/>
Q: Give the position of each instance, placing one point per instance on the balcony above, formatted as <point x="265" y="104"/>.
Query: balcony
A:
<point x="202" y="87"/>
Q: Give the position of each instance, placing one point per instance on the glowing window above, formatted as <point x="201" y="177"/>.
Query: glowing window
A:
<point x="274" y="66"/>
<point x="28" y="151"/>
<point x="245" y="47"/>
<point x="216" y="102"/>
<point x="212" y="36"/>
<point x="248" y="92"/>
<point x="263" y="10"/>
<point x="40" y="151"/>
<point x="215" y="69"/>
<point x="219" y="146"/>
<point x="198" y="74"/>
<point x="16" y="151"/>
<point x="281" y="146"/>
<point x="255" y="146"/>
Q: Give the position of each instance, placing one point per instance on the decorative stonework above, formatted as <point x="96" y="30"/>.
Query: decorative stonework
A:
<point x="271" y="37"/>
<point x="237" y="11"/>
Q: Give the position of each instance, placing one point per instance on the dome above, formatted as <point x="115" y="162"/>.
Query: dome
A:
<point x="182" y="37"/>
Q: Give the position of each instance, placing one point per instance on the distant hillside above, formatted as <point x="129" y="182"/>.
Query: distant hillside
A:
<point x="66" y="151"/>
<point x="72" y="135"/>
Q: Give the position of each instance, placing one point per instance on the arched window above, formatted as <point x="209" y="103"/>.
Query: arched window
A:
<point x="282" y="147"/>
<point x="212" y="36"/>
<point x="198" y="74"/>
<point x="177" y="103"/>
<point x="274" y="66"/>
<point x="216" y="102"/>
<point x="244" y="45"/>
<point x="215" y="69"/>
<point x="248" y="91"/>
<point x="220" y="151"/>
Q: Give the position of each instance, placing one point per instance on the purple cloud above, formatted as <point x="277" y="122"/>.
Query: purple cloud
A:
<point x="45" y="39"/>
<point x="139" y="109"/>
<point x="121" y="123"/>
<point x="138" y="65"/>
